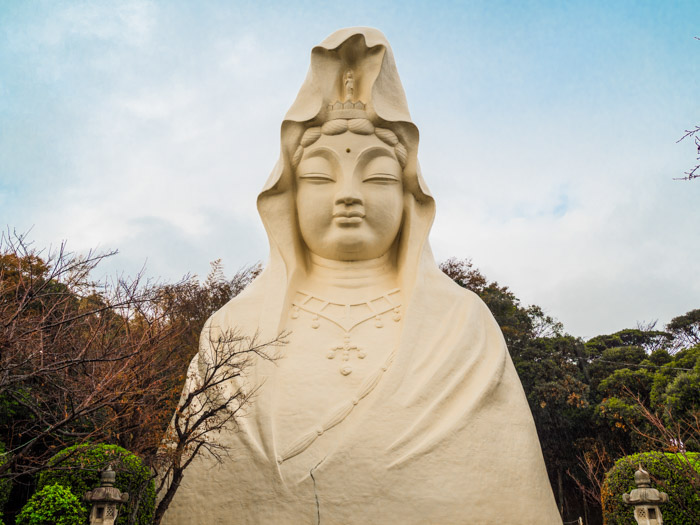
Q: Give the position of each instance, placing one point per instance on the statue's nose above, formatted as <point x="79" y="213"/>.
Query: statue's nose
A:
<point x="348" y="193"/>
<point x="349" y="200"/>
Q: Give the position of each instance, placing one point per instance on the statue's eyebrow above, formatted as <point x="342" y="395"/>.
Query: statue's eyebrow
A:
<point x="372" y="152"/>
<point x="320" y="151"/>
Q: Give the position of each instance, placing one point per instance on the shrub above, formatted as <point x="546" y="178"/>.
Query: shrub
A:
<point x="670" y="473"/>
<point x="5" y="484"/>
<point x="52" y="505"/>
<point x="79" y="468"/>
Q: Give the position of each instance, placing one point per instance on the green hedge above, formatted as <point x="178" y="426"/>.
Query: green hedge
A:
<point x="669" y="473"/>
<point x="79" y="468"/>
<point x="53" y="505"/>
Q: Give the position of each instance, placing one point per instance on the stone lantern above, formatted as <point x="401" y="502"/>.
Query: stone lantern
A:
<point x="646" y="500"/>
<point x="105" y="499"/>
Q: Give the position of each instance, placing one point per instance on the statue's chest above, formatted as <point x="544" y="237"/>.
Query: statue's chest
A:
<point x="335" y="358"/>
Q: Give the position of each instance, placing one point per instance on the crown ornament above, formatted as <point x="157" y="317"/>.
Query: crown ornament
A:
<point x="347" y="109"/>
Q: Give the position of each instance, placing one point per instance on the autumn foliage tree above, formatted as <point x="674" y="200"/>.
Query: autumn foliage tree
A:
<point x="96" y="362"/>
<point x="73" y="352"/>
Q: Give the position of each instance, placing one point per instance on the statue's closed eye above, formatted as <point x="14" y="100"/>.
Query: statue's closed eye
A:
<point x="381" y="178"/>
<point x="316" y="177"/>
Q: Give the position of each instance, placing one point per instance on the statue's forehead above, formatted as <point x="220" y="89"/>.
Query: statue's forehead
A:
<point x="347" y="146"/>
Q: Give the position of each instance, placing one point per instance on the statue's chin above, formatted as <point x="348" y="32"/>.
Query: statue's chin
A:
<point x="347" y="255"/>
<point x="349" y="250"/>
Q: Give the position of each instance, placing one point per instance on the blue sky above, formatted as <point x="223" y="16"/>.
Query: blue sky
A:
<point x="548" y="136"/>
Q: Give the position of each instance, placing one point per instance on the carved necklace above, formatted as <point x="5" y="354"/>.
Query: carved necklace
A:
<point x="346" y="324"/>
<point x="373" y="309"/>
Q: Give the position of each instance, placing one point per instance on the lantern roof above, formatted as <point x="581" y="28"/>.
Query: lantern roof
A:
<point x="644" y="494"/>
<point x="107" y="492"/>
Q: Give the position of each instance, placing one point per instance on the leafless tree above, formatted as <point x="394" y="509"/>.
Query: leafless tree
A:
<point x="594" y="461"/>
<point x="215" y="396"/>
<point x="694" y="135"/>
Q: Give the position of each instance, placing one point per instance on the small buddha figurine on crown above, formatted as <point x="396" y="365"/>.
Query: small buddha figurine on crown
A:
<point x="346" y="108"/>
<point x="349" y="83"/>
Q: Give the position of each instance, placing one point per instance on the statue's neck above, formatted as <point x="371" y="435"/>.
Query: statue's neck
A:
<point x="350" y="281"/>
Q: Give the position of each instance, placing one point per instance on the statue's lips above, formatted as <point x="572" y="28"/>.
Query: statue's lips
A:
<point x="348" y="218"/>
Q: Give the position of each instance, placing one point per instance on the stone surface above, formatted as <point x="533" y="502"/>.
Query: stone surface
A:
<point x="395" y="400"/>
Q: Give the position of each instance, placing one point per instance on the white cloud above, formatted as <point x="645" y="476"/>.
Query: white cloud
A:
<point x="128" y="22"/>
<point x="158" y="127"/>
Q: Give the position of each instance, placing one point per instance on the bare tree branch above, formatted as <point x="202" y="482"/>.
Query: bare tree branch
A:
<point x="213" y="399"/>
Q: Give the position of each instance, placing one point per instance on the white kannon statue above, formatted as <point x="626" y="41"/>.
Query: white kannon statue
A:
<point x="395" y="400"/>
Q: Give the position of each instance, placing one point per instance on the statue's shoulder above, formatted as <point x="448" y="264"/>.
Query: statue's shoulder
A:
<point x="452" y="291"/>
<point x="456" y="297"/>
<point x="241" y="313"/>
<point x="238" y="318"/>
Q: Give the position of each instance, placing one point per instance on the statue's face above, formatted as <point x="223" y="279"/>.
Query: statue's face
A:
<point x="349" y="197"/>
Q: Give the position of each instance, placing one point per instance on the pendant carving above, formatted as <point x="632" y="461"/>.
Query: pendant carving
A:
<point x="341" y="315"/>
<point x="345" y="349"/>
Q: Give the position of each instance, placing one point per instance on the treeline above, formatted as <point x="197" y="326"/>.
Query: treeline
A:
<point x="105" y="362"/>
